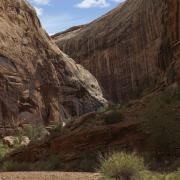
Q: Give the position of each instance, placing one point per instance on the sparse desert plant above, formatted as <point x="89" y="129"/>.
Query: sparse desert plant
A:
<point x="50" y="164"/>
<point x="102" y="109"/>
<point x="4" y="149"/>
<point x="122" y="166"/>
<point x="113" y="117"/>
<point x="56" y="130"/>
<point x="34" y="132"/>
<point x="149" y="175"/>
<point x="15" y="166"/>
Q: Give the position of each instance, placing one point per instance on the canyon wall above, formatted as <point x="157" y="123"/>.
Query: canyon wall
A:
<point x="38" y="83"/>
<point x="130" y="49"/>
<point x="134" y="47"/>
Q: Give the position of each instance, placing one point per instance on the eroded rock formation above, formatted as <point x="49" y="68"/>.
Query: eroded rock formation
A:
<point x="130" y="49"/>
<point x="38" y="83"/>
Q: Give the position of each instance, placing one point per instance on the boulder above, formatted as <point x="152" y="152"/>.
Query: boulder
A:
<point x="24" y="141"/>
<point x="11" y="141"/>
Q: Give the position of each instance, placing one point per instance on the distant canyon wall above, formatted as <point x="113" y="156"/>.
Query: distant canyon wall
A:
<point x="130" y="49"/>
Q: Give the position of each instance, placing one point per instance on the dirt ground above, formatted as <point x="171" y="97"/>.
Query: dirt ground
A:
<point x="48" y="176"/>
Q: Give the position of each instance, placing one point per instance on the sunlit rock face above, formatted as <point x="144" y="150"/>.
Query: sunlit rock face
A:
<point x="130" y="49"/>
<point x="38" y="83"/>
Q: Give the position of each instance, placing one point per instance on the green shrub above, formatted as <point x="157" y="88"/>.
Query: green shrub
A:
<point x="122" y="166"/>
<point x="102" y="109"/>
<point x="173" y="176"/>
<point x="15" y="166"/>
<point x="50" y="164"/>
<point x="148" y="175"/>
<point x="56" y="130"/>
<point x="4" y="149"/>
<point x="113" y="117"/>
<point x="162" y="125"/>
<point x="34" y="132"/>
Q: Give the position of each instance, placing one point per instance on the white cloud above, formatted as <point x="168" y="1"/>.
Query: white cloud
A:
<point x="118" y="1"/>
<point x="40" y="2"/>
<point x="37" y="3"/>
<point x="93" y="3"/>
<point x="59" y="22"/>
<point x="39" y="11"/>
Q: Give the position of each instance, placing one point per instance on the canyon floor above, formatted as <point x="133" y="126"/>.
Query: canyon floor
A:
<point x="48" y="176"/>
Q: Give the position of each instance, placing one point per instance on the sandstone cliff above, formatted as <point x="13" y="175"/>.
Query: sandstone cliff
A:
<point x="38" y="83"/>
<point x="132" y="48"/>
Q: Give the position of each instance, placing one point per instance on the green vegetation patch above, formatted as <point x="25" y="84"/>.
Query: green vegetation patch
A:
<point x="122" y="166"/>
<point x="125" y="166"/>
<point x="50" y="164"/>
<point x="113" y="117"/>
<point x="4" y="149"/>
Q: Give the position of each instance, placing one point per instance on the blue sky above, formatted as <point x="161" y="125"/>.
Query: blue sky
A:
<point x="59" y="15"/>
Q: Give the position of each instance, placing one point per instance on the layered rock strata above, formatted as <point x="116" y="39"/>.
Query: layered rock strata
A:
<point x="130" y="49"/>
<point x="38" y="82"/>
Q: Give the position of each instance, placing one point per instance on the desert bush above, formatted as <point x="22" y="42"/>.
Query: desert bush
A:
<point x="173" y="176"/>
<point x="56" y="130"/>
<point x="15" y="166"/>
<point x="113" y="117"/>
<point x="122" y="166"/>
<point x="162" y="124"/>
<point x="50" y="164"/>
<point x="149" y="175"/>
<point x="102" y="109"/>
<point x="34" y="132"/>
<point x="4" y="149"/>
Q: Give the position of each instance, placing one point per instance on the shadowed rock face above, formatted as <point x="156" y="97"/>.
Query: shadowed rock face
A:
<point x="37" y="81"/>
<point x="129" y="49"/>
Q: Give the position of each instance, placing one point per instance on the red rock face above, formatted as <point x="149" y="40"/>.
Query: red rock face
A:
<point x="38" y="83"/>
<point x="130" y="48"/>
